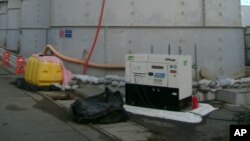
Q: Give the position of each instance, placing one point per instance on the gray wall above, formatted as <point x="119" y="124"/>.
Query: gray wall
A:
<point x="136" y="26"/>
<point x="246" y="15"/>
<point x="221" y="50"/>
<point x="35" y="22"/>
<point x="191" y="13"/>
<point x="13" y="23"/>
<point x="3" y="22"/>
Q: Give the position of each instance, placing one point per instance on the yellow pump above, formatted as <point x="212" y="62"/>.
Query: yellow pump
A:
<point x="43" y="73"/>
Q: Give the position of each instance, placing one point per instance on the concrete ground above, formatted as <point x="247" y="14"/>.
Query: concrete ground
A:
<point x="26" y="116"/>
<point x="3" y="71"/>
<point x="31" y="117"/>
<point x="214" y="127"/>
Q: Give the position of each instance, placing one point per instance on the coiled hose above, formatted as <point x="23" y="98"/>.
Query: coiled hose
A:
<point x="81" y="62"/>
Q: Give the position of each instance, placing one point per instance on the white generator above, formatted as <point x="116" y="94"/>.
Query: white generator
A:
<point x="159" y="81"/>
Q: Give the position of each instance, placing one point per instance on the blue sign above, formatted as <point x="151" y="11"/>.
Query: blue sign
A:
<point x="160" y="75"/>
<point x="68" y="33"/>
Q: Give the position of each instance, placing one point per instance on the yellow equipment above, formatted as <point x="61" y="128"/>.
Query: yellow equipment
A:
<point x="41" y="72"/>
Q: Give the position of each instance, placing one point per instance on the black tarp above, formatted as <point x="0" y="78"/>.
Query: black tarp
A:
<point x="104" y="108"/>
<point x="22" y="84"/>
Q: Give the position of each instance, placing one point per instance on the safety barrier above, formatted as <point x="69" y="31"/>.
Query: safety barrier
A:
<point x="12" y="62"/>
<point x="20" y="65"/>
<point x="6" y="59"/>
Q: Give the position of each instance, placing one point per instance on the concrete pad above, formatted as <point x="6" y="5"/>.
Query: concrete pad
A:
<point x="120" y="130"/>
<point x="234" y="96"/>
<point x="127" y="131"/>
<point x="35" y="96"/>
<point x="65" y="103"/>
<point x="56" y="95"/>
<point x="206" y="96"/>
<point x="87" y="90"/>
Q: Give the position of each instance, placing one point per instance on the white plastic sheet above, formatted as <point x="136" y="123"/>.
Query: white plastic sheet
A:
<point x="193" y="116"/>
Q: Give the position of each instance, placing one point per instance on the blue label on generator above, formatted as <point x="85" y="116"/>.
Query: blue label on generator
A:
<point x="160" y="75"/>
<point x="68" y="33"/>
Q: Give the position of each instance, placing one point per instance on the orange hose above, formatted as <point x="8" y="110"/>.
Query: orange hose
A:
<point x="85" y="66"/>
<point x="78" y="61"/>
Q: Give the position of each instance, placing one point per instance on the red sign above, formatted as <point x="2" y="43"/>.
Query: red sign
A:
<point x="61" y="34"/>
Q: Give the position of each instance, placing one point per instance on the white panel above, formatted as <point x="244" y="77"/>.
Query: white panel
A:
<point x="152" y="80"/>
<point x="223" y="13"/>
<point x="140" y="68"/>
<point x="14" y="4"/>
<point x="12" y="40"/>
<point x="32" y="41"/>
<point x="35" y="13"/>
<point x="127" y="13"/>
<point x="13" y="19"/>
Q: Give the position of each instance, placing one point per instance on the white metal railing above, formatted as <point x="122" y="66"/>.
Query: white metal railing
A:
<point x="12" y="59"/>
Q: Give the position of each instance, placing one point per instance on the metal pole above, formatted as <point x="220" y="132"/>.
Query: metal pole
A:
<point x="180" y="50"/>
<point x="152" y="49"/>
<point x="196" y="62"/>
<point x="169" y="49"/>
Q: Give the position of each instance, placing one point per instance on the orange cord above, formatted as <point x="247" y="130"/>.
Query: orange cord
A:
<point x="85" y="66"/>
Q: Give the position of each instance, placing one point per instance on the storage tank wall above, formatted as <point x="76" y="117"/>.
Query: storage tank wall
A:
<point x="132" y="26"/>
<point x="3" y="22"/>
<point x="13" y="24"/>
<point x="35" y="23"/>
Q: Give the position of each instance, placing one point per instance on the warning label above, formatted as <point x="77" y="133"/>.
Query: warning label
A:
<point x="65" y="33"/>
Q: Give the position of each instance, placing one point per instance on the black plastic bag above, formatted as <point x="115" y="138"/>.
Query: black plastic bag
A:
<point x="104" y="108"/>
